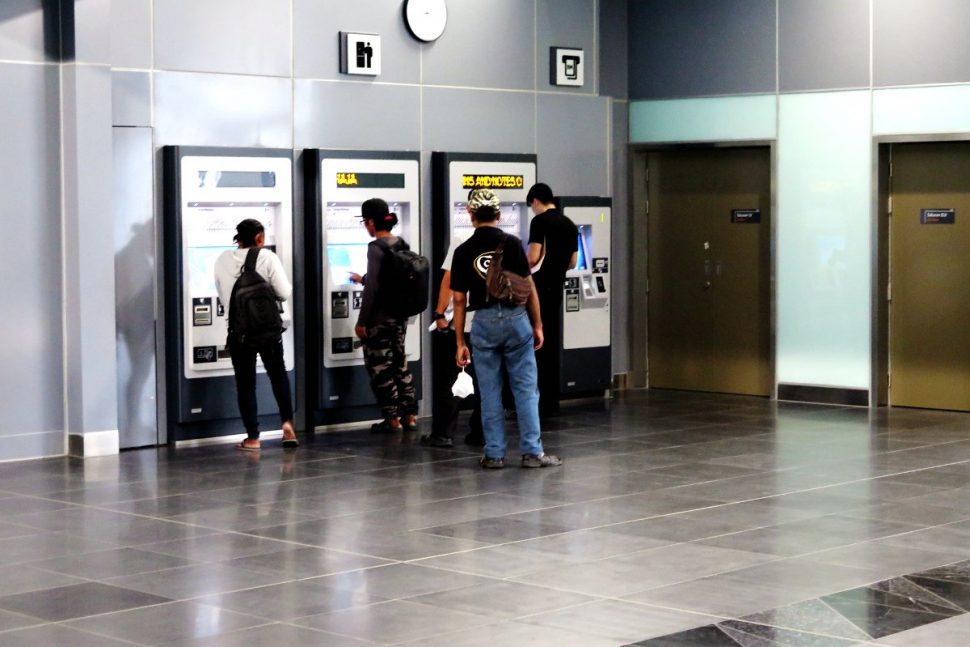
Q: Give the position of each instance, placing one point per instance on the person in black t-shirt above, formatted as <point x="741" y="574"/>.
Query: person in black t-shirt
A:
<point x="501" y="334"/>
<point x="553" y="244"/>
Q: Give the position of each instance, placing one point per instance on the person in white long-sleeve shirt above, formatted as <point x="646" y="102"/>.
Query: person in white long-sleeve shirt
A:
<point x="250" y="233"/>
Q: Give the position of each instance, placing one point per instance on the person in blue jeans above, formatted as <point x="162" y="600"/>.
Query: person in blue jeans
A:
<point x="502" y="333"/>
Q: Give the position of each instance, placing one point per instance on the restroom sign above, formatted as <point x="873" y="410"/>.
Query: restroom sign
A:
<point x="566" y="66"/>
<point x="360" y="54"/>
<point x="937" y="216"/>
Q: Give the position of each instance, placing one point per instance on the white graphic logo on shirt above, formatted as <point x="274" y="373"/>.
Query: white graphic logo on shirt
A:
<point x="482" y="263"/>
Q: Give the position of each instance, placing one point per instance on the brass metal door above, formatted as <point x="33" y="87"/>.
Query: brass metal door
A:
<point x="709" y="270"/>
<point x="929" y="273"/>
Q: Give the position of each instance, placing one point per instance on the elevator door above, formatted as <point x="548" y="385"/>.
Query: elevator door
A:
<point x="929" y="270"/>
<point x="709" y="270"/>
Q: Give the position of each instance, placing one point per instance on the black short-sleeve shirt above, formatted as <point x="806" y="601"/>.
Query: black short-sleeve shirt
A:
<point x="472" y="258"/>
<point x="559" y="236"/>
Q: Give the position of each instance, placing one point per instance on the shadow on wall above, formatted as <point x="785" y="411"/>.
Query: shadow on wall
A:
<point x="135" y="312"/>
<point x="58" y="18"/>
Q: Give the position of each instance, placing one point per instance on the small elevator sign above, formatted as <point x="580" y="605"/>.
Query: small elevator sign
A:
<point x="745" y="216"/>
<point x="937" y="216"/>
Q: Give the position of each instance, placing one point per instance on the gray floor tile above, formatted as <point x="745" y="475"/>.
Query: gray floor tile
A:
<point x="196" y="580"/>
<point x="166" y="623"/>
<point x="503" y="600"/>
<point x="395" y="621"/>
<point x="295" y="599"/>
<point x="24" y="578"/>
<point x="274" y="634"/>
<point x="620" y="621"/>
<point x="77" y="601"/>
<point x="299" y="563"/>
<point x="109" y="563"/>
<point x="50" y="635"/>
<point x="215" y="547"/>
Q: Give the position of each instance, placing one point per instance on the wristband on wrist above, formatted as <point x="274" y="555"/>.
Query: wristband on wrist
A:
<point x="437" y="316"/>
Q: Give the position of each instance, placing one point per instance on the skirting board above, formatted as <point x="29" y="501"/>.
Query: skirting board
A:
<point x="93" y="443"/>
<point x="823" y="394"/>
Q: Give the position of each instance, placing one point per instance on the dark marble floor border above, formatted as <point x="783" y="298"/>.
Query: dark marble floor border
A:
<point x="841" y="619"/>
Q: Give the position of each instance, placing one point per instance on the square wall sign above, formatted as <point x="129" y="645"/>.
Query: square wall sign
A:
<point x="566" y="66"/>
<point x="360" y="54"/>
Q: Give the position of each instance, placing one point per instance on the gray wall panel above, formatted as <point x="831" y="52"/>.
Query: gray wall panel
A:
<point x="346" y="115"/>
<point x="236" y="36"/>
<point x="687" y="48"/>
<point x="131" y="98"/>
<point x="614" y="48"/>
<point x="131" y="33"/>
<point x="217" y="110"/>
<point x="33" y="445"/>
<point x="92" y="31"/>
<point x="573" y="138"/>
<point x="316" y="52"/>
<point x="920" y="42"/>
<point x="622" y="262"/>
<point x="484" y="49"/>
<point x="478" y="121"/>
<point x="566" y="23"/>
<point x="823" y="44"/>
<point x="89" y="299"/>
<point x="22" y="30"/>
<point x="31" y="350"/>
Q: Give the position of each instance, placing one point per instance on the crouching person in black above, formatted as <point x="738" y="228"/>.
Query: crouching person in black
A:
<point x="260" y="333"/>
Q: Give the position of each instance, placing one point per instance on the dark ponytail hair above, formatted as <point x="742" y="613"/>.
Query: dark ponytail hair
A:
<point x="385" y="223"/>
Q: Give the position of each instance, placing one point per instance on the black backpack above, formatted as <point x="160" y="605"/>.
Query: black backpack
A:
<point x="254" y="311"/>
<point x="405" y="280"/>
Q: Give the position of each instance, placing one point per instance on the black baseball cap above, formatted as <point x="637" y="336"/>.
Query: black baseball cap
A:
<point x="374" y="209"/>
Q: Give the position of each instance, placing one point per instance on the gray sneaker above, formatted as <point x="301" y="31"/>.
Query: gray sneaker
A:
<point x="546" y="460"/>
<point x="491" y="463"/>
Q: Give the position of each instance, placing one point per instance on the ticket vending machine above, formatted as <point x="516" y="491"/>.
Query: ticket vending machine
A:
<point x="454" y="175"/>
<point x="586" y="354"/>
<point x="337" y="183"/>
<point x="207" y="191"/>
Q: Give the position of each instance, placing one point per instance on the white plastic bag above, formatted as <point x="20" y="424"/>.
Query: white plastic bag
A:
<point x="463" y="386"/>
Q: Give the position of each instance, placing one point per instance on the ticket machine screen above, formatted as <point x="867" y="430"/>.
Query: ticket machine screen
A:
<point x="510" y="220"/>
<point x="583" y="244"/>
<point x="346" y="258"/>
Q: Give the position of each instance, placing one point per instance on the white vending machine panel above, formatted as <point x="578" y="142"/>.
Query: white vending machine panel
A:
<point x="344" y="186"/>
<point x="586" y="300"/>
<point x="216" y="194"/>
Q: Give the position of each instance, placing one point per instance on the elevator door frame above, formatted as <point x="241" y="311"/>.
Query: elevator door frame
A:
<point x="881" y="152"/>
<point x="639" y="364"/>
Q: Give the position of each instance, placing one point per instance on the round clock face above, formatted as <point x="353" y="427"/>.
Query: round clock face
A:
<point x="425" y="19"/>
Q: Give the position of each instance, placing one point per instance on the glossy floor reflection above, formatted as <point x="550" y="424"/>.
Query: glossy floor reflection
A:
<point x="678" y="519"/>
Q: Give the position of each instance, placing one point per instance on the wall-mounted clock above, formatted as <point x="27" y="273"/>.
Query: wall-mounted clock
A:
<point x="425" y="19"/>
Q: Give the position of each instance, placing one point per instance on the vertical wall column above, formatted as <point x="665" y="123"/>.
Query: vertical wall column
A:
<point x="90" y="399"/>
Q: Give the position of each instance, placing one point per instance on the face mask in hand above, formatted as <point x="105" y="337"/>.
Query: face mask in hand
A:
<point x="463" y="386"/>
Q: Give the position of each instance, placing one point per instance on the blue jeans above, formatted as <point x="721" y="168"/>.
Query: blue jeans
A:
<point x="504" y="333"/>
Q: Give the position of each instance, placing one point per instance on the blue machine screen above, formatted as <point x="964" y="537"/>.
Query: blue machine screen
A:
<point x="582" y="247"/>
<point x="202" y="263"/>
<point x="344" y="259"/>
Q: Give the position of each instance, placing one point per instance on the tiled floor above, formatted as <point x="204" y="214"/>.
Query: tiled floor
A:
<point x="678" y="519"/>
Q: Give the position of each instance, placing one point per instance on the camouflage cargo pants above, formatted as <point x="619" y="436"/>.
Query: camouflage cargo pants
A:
<point x="388" y="369"/>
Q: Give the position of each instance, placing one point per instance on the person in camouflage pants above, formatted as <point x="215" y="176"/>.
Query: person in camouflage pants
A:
<point x="381" y="329"/>
<point x="388" y="369"/>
